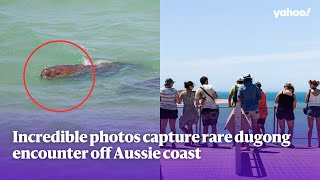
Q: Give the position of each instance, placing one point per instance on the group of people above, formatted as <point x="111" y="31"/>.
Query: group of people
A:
<point x="248" y="94"/>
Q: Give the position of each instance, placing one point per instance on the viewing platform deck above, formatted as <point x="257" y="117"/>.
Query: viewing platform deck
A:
<point x="273" y="162"/>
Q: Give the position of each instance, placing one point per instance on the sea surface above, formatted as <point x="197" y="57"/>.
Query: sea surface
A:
<point x="110" y="31"/>
<point x="126" y="32"/>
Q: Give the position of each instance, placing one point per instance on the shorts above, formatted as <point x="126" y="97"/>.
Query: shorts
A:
<point x="313" y="111"/>
<point x="168" y="114"/>
<point x="286" y="114"/>
<point x="261" y="121"/>
<point x="253" y="114"/>
<point x="209" y="116"/>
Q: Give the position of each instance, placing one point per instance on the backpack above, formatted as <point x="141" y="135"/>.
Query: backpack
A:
<point x="234" y="98"/>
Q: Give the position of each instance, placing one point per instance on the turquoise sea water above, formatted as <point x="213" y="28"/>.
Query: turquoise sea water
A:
<point x="110" y="31"/>
<point x="113" y="31"/>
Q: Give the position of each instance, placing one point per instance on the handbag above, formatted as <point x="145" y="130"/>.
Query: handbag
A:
<point x="305" y="110"/>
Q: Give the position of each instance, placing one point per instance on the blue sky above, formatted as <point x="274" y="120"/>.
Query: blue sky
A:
<point x="226" y="39"/>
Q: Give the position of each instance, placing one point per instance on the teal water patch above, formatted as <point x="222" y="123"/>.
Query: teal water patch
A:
<point x="116" y="31"/>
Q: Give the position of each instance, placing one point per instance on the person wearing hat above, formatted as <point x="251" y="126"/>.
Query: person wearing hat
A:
<point x="263" y="111"/>
<point x="206" y="95"/>
<point x="234" y="91"/>
<point x="249" y="95"/>
<point x="169" y="97"/>
<point x="232" y="98"/>
<point x="313" y="112"/>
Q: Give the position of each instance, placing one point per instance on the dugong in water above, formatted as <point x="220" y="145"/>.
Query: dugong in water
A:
<point x="77" y="69"/>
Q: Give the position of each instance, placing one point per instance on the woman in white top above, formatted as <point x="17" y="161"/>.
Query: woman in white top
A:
<point x="313" y="112"/>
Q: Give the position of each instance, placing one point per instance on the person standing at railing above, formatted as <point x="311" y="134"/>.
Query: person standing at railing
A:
<point x="206" y="96"/>
<point x="169" y="97"/>
<point x="232" y="99"/>
<point x="313" y="112"/>
<point x="286" y="101"/>
<point x="190" y="114"/>
<point x="263" y="111"/>
<point x="249" y="95"/>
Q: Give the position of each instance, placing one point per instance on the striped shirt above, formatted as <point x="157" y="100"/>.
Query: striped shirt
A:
<point x="168" y="98"/>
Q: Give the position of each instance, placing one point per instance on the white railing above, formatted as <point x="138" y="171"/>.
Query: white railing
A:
<point x="238" y="145"/>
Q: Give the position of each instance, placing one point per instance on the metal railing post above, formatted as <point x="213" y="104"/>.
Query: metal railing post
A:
<point x="200" y="116"/>
<point x="277" y="124"/>
<point x="274" y="120"/>
<point x="198" y="121"/>
<point x="238" y="145"/>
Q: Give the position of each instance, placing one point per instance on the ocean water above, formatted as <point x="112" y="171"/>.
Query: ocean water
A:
<point x="112" y="31"/>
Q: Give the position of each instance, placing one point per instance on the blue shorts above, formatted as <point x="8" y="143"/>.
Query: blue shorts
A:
<point x="313" y="111"/>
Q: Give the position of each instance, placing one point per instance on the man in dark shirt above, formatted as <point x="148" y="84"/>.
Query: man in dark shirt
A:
<point x="249" y="95"/>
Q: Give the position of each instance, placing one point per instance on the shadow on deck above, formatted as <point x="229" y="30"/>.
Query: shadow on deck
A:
<point x="273" y="162"/>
